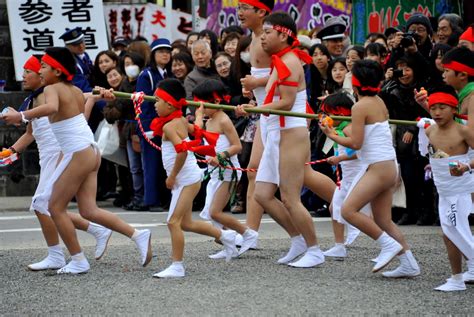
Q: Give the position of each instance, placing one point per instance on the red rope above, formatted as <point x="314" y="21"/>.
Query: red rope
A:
<point x="138" y="99"/>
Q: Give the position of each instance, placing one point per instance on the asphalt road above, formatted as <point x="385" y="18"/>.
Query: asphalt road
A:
<point x="252" y="284"/>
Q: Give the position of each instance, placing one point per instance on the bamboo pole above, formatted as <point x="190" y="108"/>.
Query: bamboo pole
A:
<point x="260" y="110"/>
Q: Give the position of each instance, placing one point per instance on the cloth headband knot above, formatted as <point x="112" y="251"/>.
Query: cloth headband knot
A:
<point x="456" y="66"/>
<point x="282" y="29"/>
<point x="442" y="98"/>
<point x="257" y="4"/>
<point x="33" y="64"/>
<point x="48" y="59"/>
<point x="178" y="104"/>
<point x="356" y="83"/>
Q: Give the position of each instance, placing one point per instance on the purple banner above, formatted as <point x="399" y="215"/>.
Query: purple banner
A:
<point x="307" y="14"/>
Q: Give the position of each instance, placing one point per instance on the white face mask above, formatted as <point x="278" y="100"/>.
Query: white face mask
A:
<point x="245" y="57"/>
<point x="132" y="71"/>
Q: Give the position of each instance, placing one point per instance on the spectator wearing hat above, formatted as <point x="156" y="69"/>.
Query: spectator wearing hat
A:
<point x="74" y="41"/>
<point x="450" y="27"/>
<point x="332" y="36"/>
<point x="420" y="25"/>
<point x="467" y="38"/>
<point x="120" y="45"/>
<point x="158" y="69"/>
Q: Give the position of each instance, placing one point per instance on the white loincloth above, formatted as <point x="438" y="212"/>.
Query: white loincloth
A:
<point x="73" y="135"/>
<point x="349" y="171"/>
<point x="260" y="93"/>
<point x="377" y="147"/>
<point x="49" y="154"/>
<point x="268" y="169"/>
<point x="214" y="183"/>
<point x="454" y="203"/>
<point x="188" y="175"/>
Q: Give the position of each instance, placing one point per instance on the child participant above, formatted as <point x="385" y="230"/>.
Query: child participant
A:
<point x="371" y="137"/>
<point x="49" y="155"/>
<point x="251" y="14"/>
<point x="76" y="174"/>
<point x="184" y="175"/>
<point x="340" y="104"/>
<point x="286" y="141"/>
<point x="450" y="142"/>
<point x="218" y="190"/>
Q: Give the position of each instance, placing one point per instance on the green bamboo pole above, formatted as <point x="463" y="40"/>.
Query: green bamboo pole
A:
<point x="125" y="95"/>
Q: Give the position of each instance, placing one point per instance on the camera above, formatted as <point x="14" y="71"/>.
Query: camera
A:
<point x="397" y="73"/>
<point x="408" y="38"/>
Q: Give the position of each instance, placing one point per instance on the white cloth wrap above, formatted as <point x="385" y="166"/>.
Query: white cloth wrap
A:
<point x="423" y="140"/>
<point x="455" y="203"/>
<point x="268" y="169"/>
<point x="260" y="92"/>
<point x="188" y="175"/>
<point x="73" y="135"/>
<point x="349" y="171"/>
<point x="273" y="121"/>
<point x="376" y="147"/>
<point x="214" y="183"/>
<point x="44" y="136"/>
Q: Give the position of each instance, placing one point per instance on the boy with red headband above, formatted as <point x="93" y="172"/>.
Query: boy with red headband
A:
<point x="449" y="144"/>
<point x="76" y="174"/>
<point x="286" y="141"/>
<point x="251" y="14"/>
<point x="184" y="175"/>
<point x="49" y="154"/>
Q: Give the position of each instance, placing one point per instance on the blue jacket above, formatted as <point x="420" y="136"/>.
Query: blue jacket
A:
<point x="148" y="82"/>
<point x="83" y="72"/>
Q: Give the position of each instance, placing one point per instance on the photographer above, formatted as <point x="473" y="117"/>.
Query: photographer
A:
<point x="398" y="95"/>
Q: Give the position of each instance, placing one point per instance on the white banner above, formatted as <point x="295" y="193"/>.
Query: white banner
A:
<point x="147" y="20"/>
<point x="38" y="24"/>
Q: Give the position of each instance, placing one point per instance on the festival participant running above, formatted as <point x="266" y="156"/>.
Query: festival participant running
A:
<point x="372" y="139"/>
<point x="286" y="141"/>
<point x="222" y="182"/>
<point x="340" y="104"/>
<point x="76" y="174"/>
<point x="49" y="156"/>
<point x="454" y="205"/>
<point x="184" y="175"/>
<point x="251" y="14"/>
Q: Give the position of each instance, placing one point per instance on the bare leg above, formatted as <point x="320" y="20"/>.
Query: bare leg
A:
<point x="454" y="256"/>
<point x="221" y="197"/>
<point x="265" y="196"/>
<point x="254" y="209"/>
<point x="319" y="183"/>
<point x="48" y="228"/>
<point x="79" y="222"/>
<point x="294" y="144"/>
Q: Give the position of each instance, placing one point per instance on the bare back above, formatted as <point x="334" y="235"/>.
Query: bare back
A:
<point x="373" y="109"/>
<point x="70" y="101"/>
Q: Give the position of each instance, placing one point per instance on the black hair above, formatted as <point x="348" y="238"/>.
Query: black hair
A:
<point x="283" y="19"/>
<point x="152" y="63"/>
<point x="332" y="85"/>
<point x="137" y="59"/>
<point x="461" y="55"/>
<point x="339" y="99"/>
<point x="65" y="57"/>
<point x="38" y="57"/>
<point x="232" y="29"/>
<point x="374" y="36"/>
<point x="231" y="36"/>
<point x="213" y="37"/>
<point x="207" y="90"/>
<point x="443" y="88"/>
<point x="316" y="82"/>
<point x="173" y="87"/>
<point x="375" y="49"/>
<point x="239" y="68"/>
<point x="359" y="50"/>
<point x="369" y="73"/>
<point x="419" y="75"/>
<point x="186" y="58"/>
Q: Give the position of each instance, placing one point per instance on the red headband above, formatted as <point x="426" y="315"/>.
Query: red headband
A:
<point x="356" y="83"/>
<point x="216" y="98"/>
<point x="160" y="93"/>
<point x="468" y="35"/>
<point x="32" y="64"/>
<point x="456" y="66"/>
<point x="337" y="110"/>
<point x="55" y="64"/>
<point x="442" y="98"/>
<point x="285" y="30"/>
<point x="257" y="4"/>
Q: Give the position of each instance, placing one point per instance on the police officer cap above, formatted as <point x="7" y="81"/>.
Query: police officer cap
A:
<point x="334" y="29"/>
<point x="73" y="36"/>
<point x="160" y="43"/>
